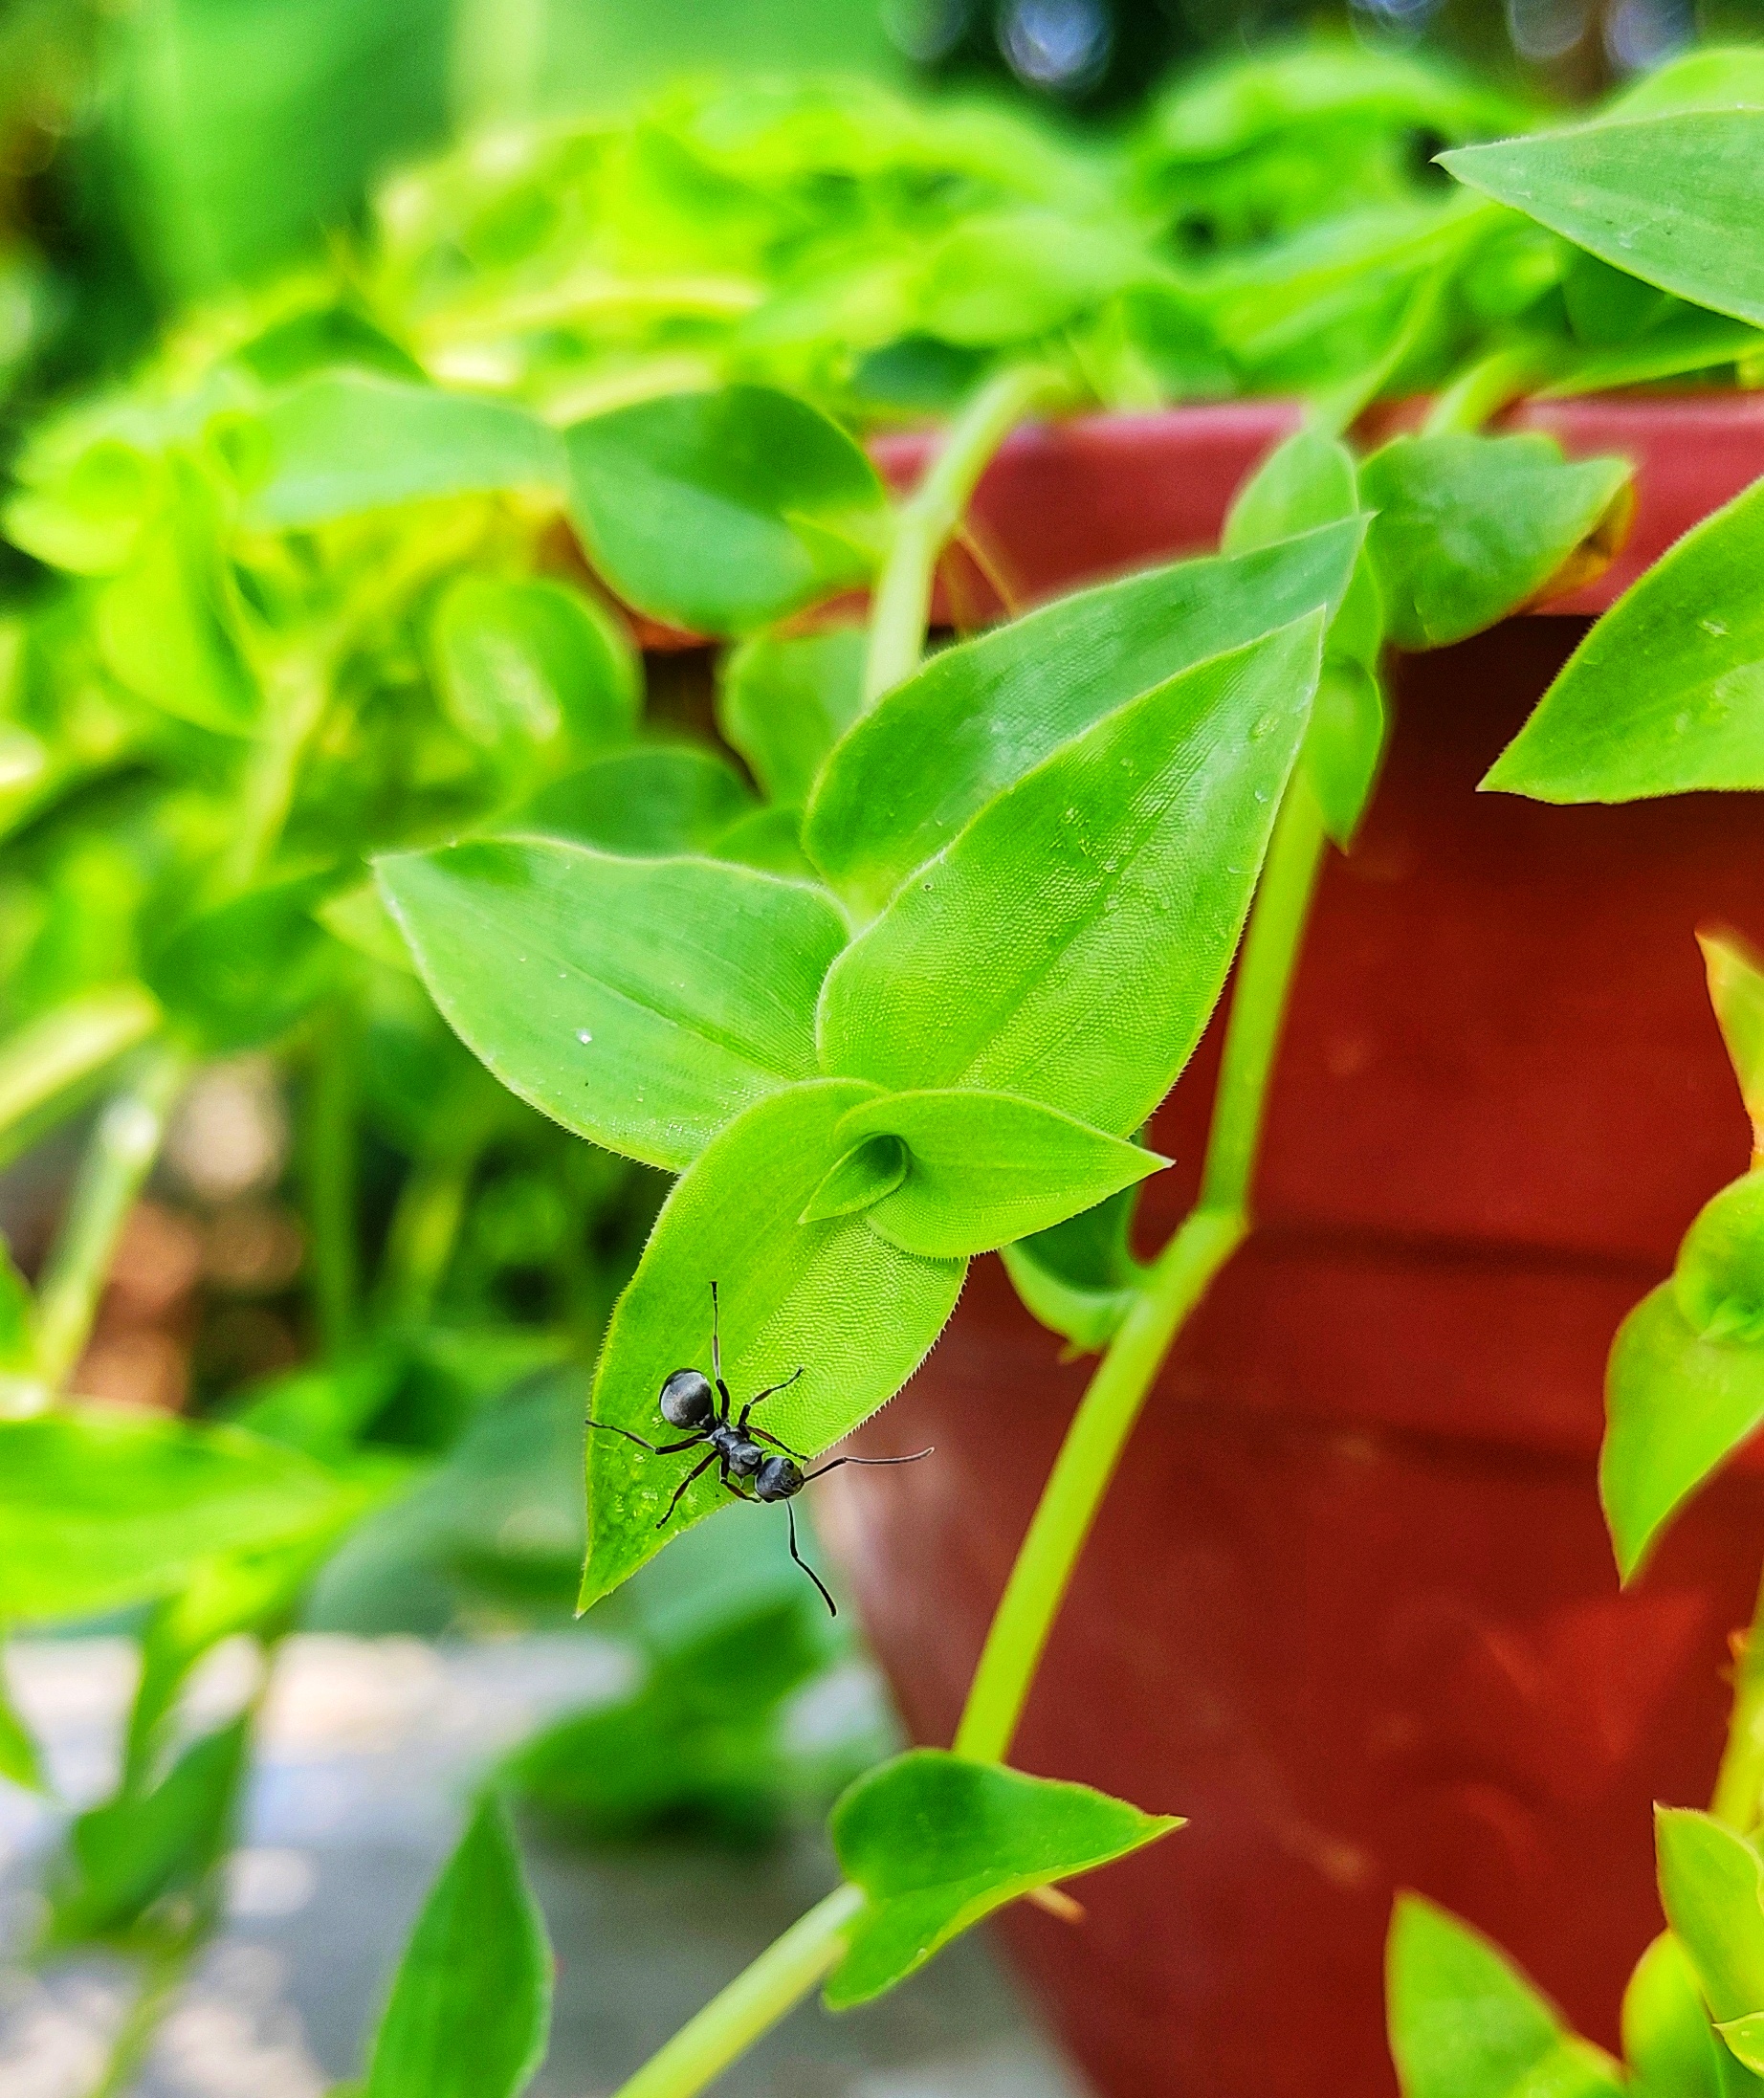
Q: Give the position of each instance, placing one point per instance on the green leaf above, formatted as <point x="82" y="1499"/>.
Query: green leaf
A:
<point x="523" y="665"/>
<point x="1672" y="2050"/>
<point x="1718" y="1279"/>
<point x="982" y="1168"/>
<point x="1465" y="2023"/>
<point x="869" y="1170"/>
<point x="1080" y="1278"/>
<point x="1736" y="991"/>
<point x="54" y="1056"/>
<point x="470" y="2012"/>
<point x="1711" y="1888"/>
<point x="1673" y="199"/>
<point x="1011" y="277"/>
<point x="641" y="1003"/>
<point x="344" y="444"/>
<point x="936" y="1842"/>
<point x="245" y="972"/>
<point x="829" y="1297"/>
<point x="1665" y="693"/>
<point x="1070" y="944"/>
<point x="784" y="701"/>
<point x="100" y="1509"/>
<point x="169" y="627"/>
<point x="652" y="801"/>
<point x="975" y="720"/>
<point x="724" y="510"/>
<point x="17" y="1319"/>
<point x="140" y="1846"/>
<point x="1677" y="1407"/>
<point x="1471" y="528"/>
<point x="770" y="839"/>
<point x="19" y="1761"/>
<point x="1306" y="482"/>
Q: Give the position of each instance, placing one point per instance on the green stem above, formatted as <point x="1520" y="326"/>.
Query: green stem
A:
<point x="1488" y="387"/>
<point x="164" y="1978"/>
<point x="296" y="687"/>
<point x="425" y="1228"/>
<point x="117" y="1160"/>
<point x="751" y="2003"/>
<point x="931" y="513"/>
<point x="1175" y="1284"/>
<point x="331" y="1177"/>
<point x="48" y="1059"/>
<point x="1739" y="1783"/>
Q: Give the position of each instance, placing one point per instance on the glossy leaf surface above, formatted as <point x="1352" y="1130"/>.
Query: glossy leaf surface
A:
<point x="982" y="1168"/>
<point x="1673" y="199"/>
<point x="470" y="2012"/>
<point x="1665" y="693"/>
<point x="1711" y="1888"/>
<point x="974" y="720"/>
<point x="1677" y="1407"/>
<point x="724" y="510"/>
<point x="1736" y="991"/>
<point x="642" y="1004"/>
<point x="829" y="1297"/>
<point x="101" y="1508"/>
<point x="1070" y="945"/>
<point x="344" y="443"/>
<point x="1469" y="529"/>
<point x="1465" y="2023"/>
<point x="938" y="1842"/>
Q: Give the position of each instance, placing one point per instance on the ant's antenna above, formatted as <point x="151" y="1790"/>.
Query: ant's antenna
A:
<point x="838" y="1461"/>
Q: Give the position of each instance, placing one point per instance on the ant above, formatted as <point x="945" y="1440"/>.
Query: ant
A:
<point x="687" y="1400"/>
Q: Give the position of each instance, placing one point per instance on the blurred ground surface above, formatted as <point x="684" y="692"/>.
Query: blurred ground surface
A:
<point x="371" y="1749"/>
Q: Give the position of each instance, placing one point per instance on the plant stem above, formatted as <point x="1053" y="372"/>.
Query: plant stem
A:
<point x="751" y="2003"/>
<point x="117" y="1160"/>
<point x="297" y="688"/>
<point x="931" y="513"/>
<point x="1486" y="389"/>
<point x="165" y="1970"/>
<point x="48" y="1058"/>
<point x="1739" y="1783"/>
<point x="1177" y="1282"/>
<point x="331" y="1162"/>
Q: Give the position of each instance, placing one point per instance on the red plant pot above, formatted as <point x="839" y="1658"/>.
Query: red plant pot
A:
<point x="1349" y="1604"/>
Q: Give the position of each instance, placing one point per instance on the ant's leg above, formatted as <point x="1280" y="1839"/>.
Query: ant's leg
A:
<point x="776" y="1444"/>
<point x="704" y="1464"/>
<point x="741" y="1426"/>
<point x="656" y="1450"/>
<point x="805" y="1565"/>
<point x="741" y="1492"/>
<point x="838" y="1461"/>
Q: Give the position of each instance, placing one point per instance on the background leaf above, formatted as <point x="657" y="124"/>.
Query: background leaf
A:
<point x="1469" y="529"/>
<point x="853" y="1313"/>
<point x="524" y="665"/>
<point x="1665" y="693"/>
<point x="936" y="1842"/>
<point x="784" y="701"/>
<point x="975" y="720"/>
<point x="1070" y="945"/>
<point x="1080" y="1278"/>
<point x="1465" y="2023"/>
<point x="343" y="443"/>
<point x="982" y="1168"/>
<point x="724" y="510"/>
<point x="103" y="1507"/>
<point x="641" y="1003"/>
<point x="1672" y="2050"/>
<point x="655" y="800"/>
<point x="19" y="1761"/>
<point x="1673" y="199"/>
<point x="470" y="2011"/>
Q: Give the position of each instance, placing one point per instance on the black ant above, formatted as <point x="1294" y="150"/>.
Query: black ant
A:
<point x="687" y="1400"/>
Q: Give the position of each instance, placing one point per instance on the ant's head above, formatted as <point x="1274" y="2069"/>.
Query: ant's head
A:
<point x="687" y="1399"/>
<point x="777" y="1479"/>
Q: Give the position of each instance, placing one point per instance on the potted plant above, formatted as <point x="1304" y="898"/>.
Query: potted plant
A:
<point x="918" y="997"/>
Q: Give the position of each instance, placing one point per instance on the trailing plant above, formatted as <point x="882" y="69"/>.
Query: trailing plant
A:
<point x="1656" y="700"/>
<point x="346" y="575"/>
